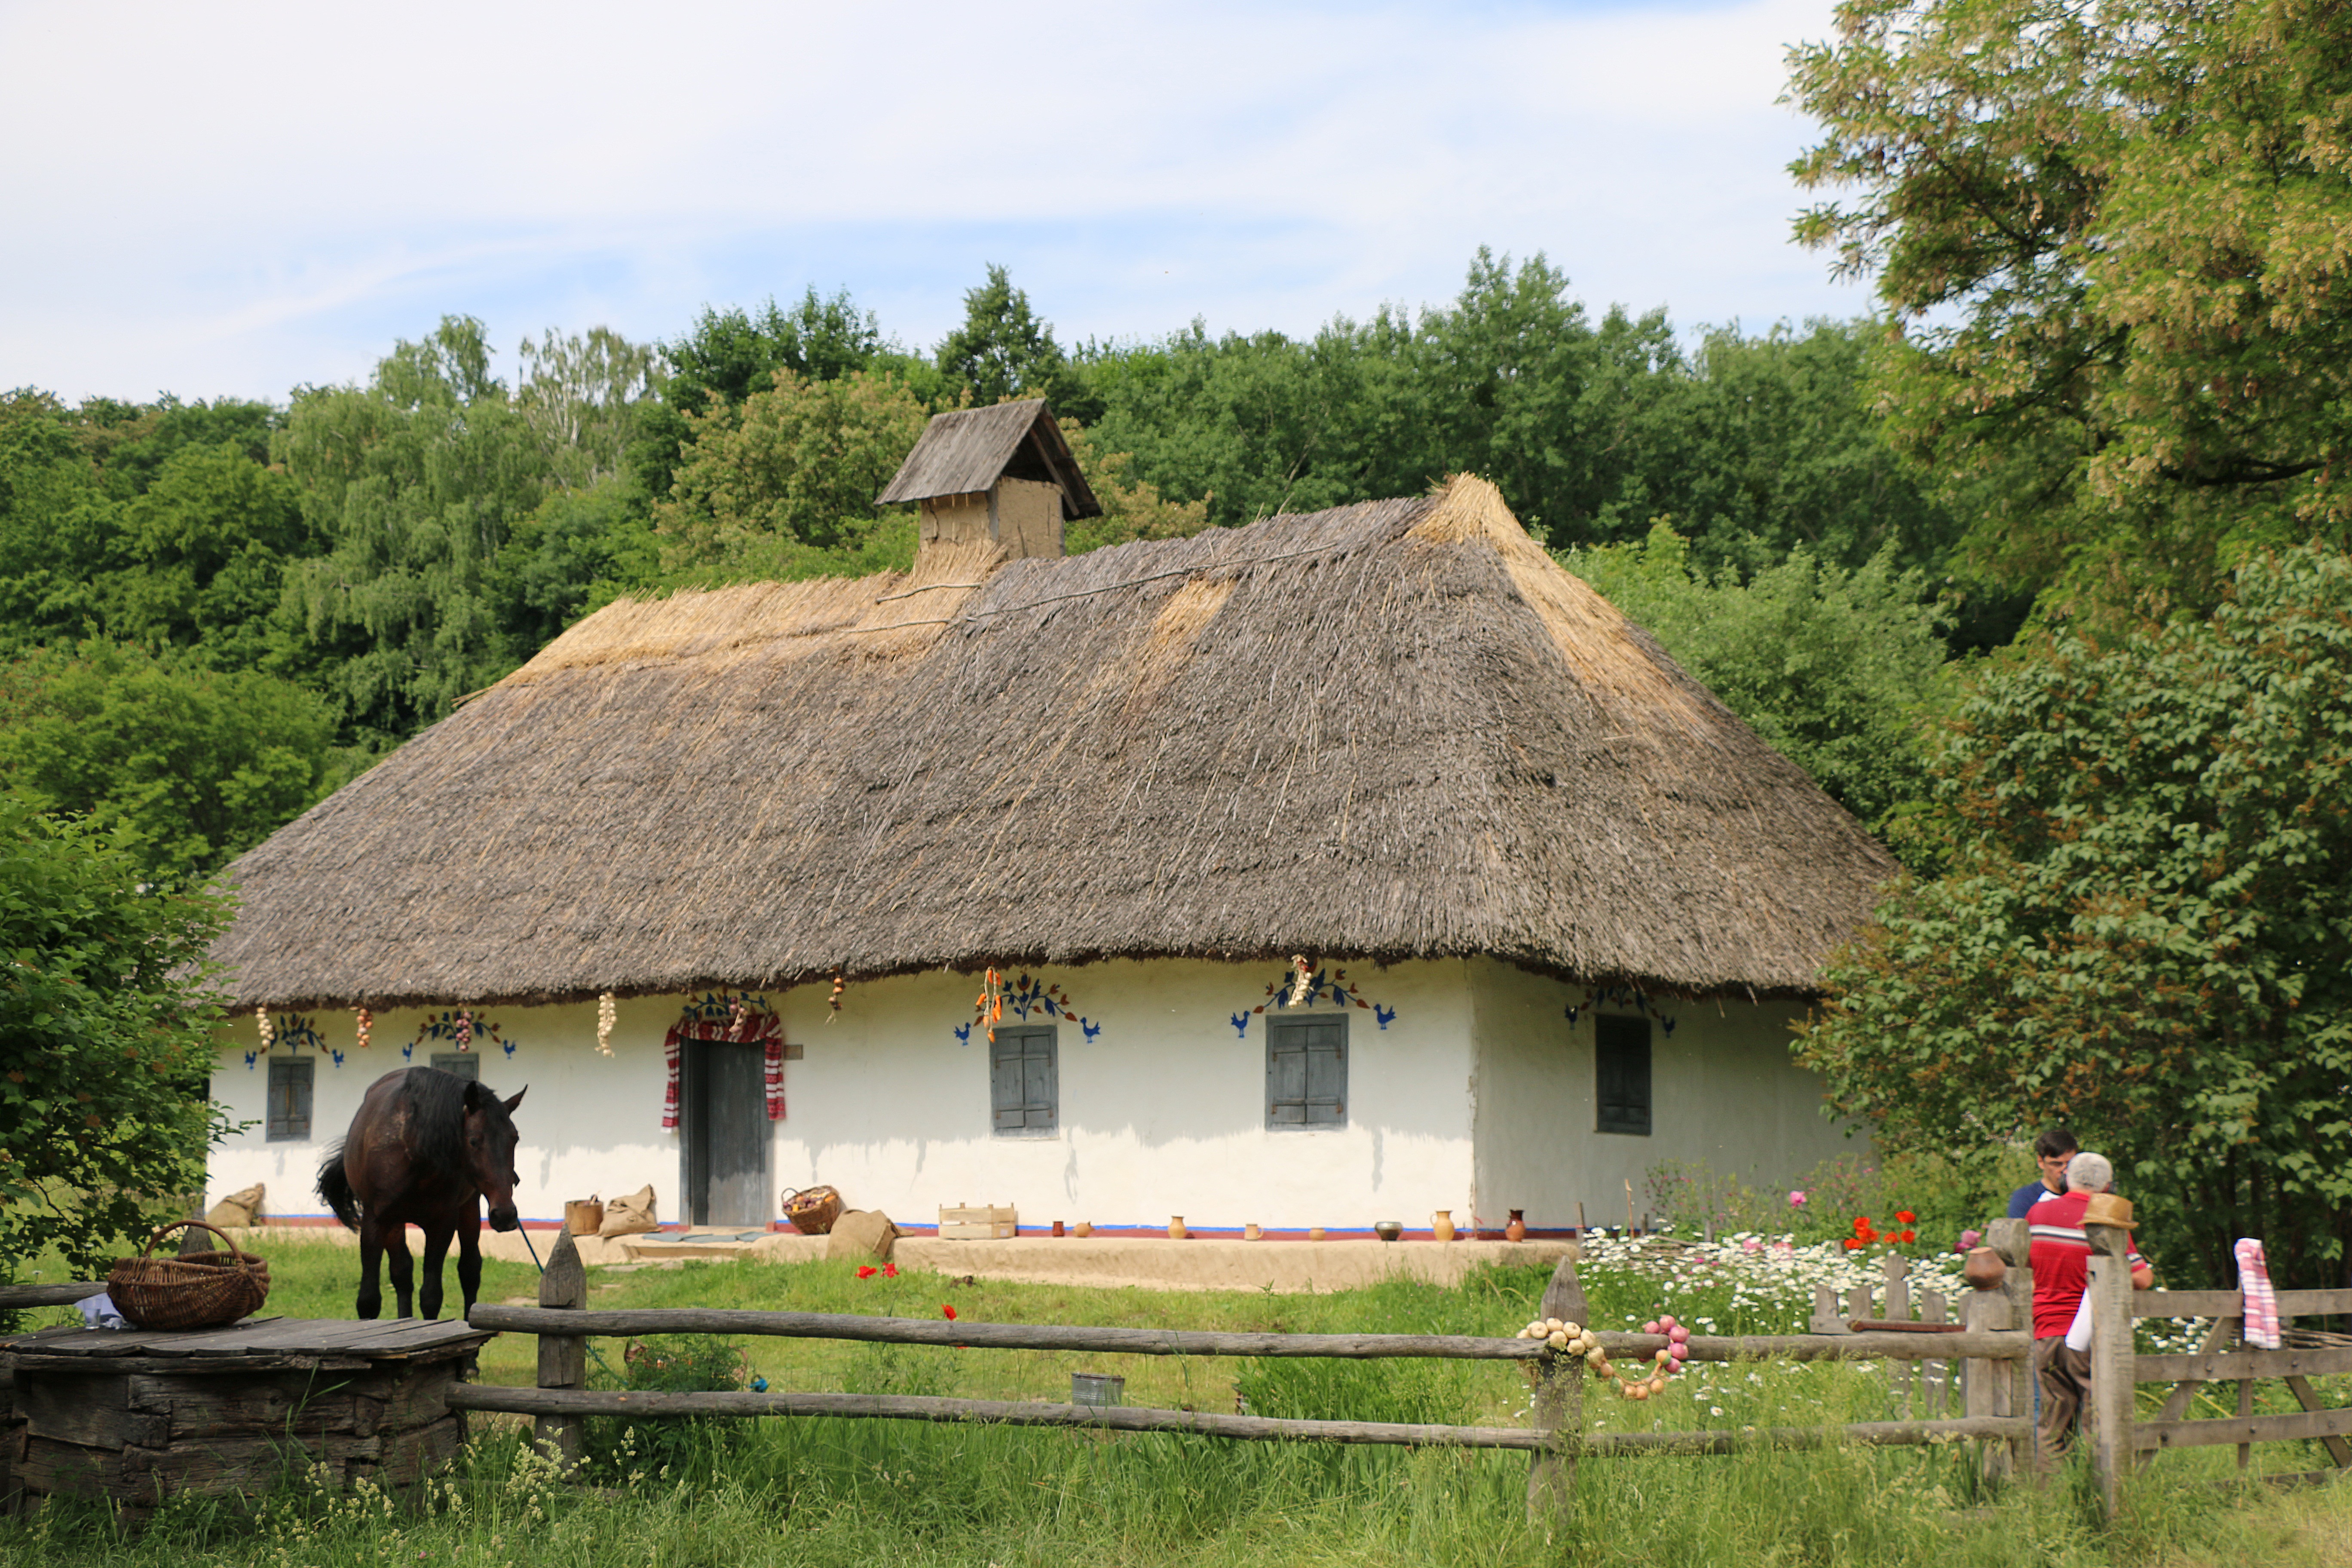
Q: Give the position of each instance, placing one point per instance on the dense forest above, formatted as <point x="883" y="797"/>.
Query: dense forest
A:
<point x="213" y="612"/>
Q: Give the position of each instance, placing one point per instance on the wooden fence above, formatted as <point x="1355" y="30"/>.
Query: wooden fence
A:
<point x="560" y="1402"/>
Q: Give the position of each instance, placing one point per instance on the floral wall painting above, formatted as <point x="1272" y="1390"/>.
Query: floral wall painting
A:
<point x="1631" y="996"/>
<point x="1026" y="997"/>
<point x="460" y="1025"/>
<point x="1303" y="985"/>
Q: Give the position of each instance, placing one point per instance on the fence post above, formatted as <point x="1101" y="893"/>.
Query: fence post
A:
<point x="562" y="1358"/>
<point x="2112" y="1370"/>
<point x="2013" y="1239"/>
<point x="1559" y="1403"/>
<point x="1897" y="1276"/>
<point x="1987" y="1386"/>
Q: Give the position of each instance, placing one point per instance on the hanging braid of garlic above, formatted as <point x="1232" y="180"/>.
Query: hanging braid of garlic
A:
<point x="605" y="1012"/>
<point x="268" y="1030"/>
<point x="1303" y="983"/>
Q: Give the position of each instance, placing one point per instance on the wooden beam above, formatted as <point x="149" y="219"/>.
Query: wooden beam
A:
<point x="1559" y="1404"/>
<point x="2229" y="1304"/>
<point x="2235" y="1429"/>
<point x="2221" y="1366"/>
<point x="64" y="1294"/>
<point x="562" y="1358"/>
<point x="2015" y="1346"/>
<point x="1134" y="1418"/>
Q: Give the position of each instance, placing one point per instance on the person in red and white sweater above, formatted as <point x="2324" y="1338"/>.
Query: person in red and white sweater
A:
<point x="2061" y="1257"/>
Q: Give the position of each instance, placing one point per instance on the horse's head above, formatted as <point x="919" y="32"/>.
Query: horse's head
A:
<point x="490" y="1139"/>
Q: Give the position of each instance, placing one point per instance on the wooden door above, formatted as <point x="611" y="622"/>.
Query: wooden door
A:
<point x="723" y="1132"/>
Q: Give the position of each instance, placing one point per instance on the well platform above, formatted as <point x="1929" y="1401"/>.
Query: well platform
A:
<point x="138" y="1415"/>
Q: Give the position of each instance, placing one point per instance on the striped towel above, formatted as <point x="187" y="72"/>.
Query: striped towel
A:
<point x="2261" y="1300"/>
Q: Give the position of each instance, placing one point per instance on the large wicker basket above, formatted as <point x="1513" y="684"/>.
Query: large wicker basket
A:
<point x="813" y="1210"/>
<point x="195" y="1290"/>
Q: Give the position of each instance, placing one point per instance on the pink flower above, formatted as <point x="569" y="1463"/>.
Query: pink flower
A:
<point x="1969" y="1238"/>
<point x="1796" y="1200"/>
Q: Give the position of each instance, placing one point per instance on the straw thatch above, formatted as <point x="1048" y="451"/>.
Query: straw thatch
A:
<point x="967" y="450"/>
<point x="1388" y="731"/>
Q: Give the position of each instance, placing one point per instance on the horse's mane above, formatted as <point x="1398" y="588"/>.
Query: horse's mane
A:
<point x="437" y="1122"/>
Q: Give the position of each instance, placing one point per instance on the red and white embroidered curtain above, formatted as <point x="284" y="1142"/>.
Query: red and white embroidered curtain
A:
<point x="764" y="1027"/>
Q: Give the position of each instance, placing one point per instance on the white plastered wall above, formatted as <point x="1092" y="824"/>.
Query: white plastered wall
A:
<point x="1724" y="1091"/>
<point x="1162" y="1111"/>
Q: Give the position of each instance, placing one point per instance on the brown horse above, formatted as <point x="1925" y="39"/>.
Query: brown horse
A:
<point x="426" y="1149"/>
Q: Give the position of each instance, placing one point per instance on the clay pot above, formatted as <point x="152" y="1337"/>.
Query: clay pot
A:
<point x="1314" y="1233"/>
<point x="1176" y="1229"/>
<point x="1387" y="1229"/>
<point x="1517" y="1229"/>
<point x="1085" y="1227"/>
<point x="1058" y="1227"/>
<point x="1251" y="1232"/>
<point x="1441" y="1224"/>
<point x="1984" y="1269"/>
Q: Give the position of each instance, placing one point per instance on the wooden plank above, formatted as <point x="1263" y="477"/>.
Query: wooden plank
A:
<point x="92" y="1411"/>
<point x="2229" y="1304"/>
<point x="1985" y="1384"/>
<point x="1136" y="1418"/>
<point x="215" y="1467"/>
<point x="1936" y="1375"/>
<point x="2337" y="1449"/>
<point x="413" y="1455"/>
<point x="198" y="1406"/>
<point x="562" y="1358"/>
<point x="51" y="1468"/>
<point x="2219" y="1337"/>
<point x="2109" y="1400"/>
<point x="62" y="1293"/>
<point x="1897" y="1276"/>
<point x="857" y="1326"/>
<point x="2233" y="1429"/>
<point x="1558" y="1403"/>
<point x="2223" y="1366"/>
<point x="176" y="1366"/>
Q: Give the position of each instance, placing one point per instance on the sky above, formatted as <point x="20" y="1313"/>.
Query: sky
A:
<point x="235" y="200"/>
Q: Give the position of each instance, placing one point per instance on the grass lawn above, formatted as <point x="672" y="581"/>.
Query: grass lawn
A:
<point x="878" y="1493"/>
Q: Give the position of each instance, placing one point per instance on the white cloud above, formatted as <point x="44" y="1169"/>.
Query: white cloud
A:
<point x="234" y="199"/>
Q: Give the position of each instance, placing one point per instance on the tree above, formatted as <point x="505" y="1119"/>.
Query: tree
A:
<point x="2114" y="241"/>
<point x="104" y="1041"/>
<point x="2142" y="929"/>
<point x="1839" y="671"/>
<point x="801" y="460"/>
<point x="583" y="395"/>
<point x="185" y="766"/>
<point x="1003" y="350"/>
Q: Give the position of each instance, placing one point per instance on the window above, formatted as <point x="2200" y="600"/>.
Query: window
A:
<point x="465" y="1064"/>
<point x="1307" y="1071"/>
<point x="290" y="1098"/>
<point x="1023" y="1089"/>
<point x="1622" y="1078"/>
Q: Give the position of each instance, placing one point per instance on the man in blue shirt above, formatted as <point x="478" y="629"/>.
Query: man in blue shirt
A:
<point x="2052" y="1147"/>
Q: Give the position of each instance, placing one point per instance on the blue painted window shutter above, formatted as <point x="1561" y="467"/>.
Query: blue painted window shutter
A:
<point x="1307" y="1071"/>
<point x="1024" y="1086"/>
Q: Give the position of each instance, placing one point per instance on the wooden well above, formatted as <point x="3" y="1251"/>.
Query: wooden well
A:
<point x="137" y="1417"/>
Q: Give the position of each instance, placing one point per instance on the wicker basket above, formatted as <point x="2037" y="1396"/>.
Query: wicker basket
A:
<point x="813" y="1210"/>
<point x="196" y="1290"/>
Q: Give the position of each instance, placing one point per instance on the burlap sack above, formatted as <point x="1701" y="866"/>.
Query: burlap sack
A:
<point x="861" y="1233"/>
<point x="629" y="1215"/>
<point x="239" y="1208"/>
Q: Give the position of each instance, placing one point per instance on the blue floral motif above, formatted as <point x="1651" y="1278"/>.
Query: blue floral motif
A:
<point x="1326" y="986"/>
<point x="1631" y="996"/>
<point x="1024" y="997"/>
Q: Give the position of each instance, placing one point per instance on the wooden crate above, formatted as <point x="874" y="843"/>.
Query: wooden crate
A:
<point x="964" y="1223"/>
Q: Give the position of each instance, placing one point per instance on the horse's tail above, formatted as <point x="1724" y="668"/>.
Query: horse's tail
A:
<point x="336" y="1188"/>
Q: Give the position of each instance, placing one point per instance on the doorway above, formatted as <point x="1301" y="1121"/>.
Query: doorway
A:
<point x="723" y="1132"/>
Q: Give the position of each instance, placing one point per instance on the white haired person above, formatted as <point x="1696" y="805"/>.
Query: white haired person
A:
<point x="2062" y="1271"/>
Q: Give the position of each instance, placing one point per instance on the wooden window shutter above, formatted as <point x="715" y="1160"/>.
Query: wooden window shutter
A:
<point x="463" y="1064"/>
<point x="290" y="1098"/>
<point x="1622" y="1075"/>
<point x="1306" y="1072"/>
<point x="1024" y="1081"/>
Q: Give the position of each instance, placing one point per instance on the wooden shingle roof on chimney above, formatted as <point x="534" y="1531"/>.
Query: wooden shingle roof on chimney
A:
<point x="966" y="451"/>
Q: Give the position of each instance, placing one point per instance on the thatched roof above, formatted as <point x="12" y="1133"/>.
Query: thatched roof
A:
<point x="1388" y="731"/>
<point x="967" y="450"/>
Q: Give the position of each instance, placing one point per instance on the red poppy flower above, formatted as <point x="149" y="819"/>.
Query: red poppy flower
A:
<point x="1861" y="1224"/>
<point x="949" y="1310"/>
<point x="1852" y="1244"/>
<point x="1906" y="1215"/>
<point x="867" y="1273"/>
<point x="1910" y="1236"/>
<point x="889" y="1271"/>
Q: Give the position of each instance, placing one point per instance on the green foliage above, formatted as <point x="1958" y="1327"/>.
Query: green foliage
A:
<point x="1003" y="350"/>
<point x="190" y="767"/>
<point x="2113" y="242"/>
<point x="802" y="460"/>
<point x="2141" y="930"/>
<point x="104" y="1027"/>
<point x="1838" y="670"/>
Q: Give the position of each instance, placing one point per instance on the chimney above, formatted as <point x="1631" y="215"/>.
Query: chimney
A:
<point x="1003" y="474"/>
